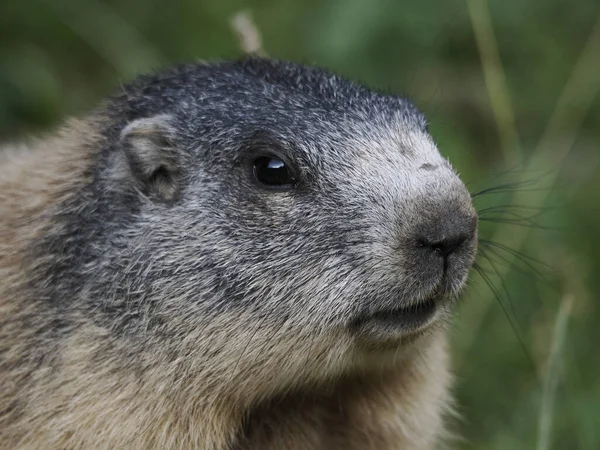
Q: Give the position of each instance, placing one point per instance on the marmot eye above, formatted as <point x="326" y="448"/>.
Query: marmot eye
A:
<point x="273" y="172"/>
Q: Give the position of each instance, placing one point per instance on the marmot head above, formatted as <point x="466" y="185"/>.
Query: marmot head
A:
<point x="266" y="221"/>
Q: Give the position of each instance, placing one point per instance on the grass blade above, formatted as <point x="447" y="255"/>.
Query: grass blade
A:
<point x="552" y="376"/>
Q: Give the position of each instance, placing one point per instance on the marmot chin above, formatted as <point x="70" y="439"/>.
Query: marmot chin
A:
<point x="238" y="255"/>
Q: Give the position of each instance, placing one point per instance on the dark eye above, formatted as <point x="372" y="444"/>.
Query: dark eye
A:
<point x="273" y="172"/>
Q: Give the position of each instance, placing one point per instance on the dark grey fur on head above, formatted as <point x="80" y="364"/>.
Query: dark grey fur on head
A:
<point x="174" y="232"/>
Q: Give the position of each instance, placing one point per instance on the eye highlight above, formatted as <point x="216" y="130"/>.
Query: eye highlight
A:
<point x="273" y="173"/>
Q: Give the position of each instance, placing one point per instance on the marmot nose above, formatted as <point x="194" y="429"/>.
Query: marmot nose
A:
<point x="447" y="234"/>
<point x="444" y="246"/>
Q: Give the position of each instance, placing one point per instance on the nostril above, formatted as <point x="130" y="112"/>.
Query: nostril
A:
<point x="444" y="246"/>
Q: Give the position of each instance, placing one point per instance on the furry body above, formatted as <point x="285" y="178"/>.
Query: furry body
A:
<point x="153" y="296"/>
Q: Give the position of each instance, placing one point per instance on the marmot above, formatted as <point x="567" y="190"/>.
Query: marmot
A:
<point x="248" y="254"/>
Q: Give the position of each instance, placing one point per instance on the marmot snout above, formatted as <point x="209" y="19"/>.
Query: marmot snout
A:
<point x="242" y="255"/>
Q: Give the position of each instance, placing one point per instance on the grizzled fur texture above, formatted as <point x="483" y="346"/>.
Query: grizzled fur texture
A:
<point x="154" y="295"/>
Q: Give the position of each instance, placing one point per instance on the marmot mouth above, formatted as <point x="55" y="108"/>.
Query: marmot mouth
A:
<point x="386" y="323"/>
<point x="411" y="316"/>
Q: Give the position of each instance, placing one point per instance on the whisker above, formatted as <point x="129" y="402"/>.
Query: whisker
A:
<point x="478" y="266"/>
<point x="499" y="259"/>
<point x="517" y="222"/>
<point x="512" y="213"/>
<point x="513" y="186"/>
<point x="508" y="207"/>
<point x="503" y="284"/>
<point x="519" y="255"/>
<point x="518" y="215"/>
<point x="496" y="294"/>
<point x="258" y="327"/>
<point x="505" y="189"/>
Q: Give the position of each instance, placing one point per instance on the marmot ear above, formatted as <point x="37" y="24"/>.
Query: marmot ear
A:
<point x="152" y="158"/>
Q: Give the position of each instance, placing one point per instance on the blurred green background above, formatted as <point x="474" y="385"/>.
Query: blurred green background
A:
<point x="511" y="90"/>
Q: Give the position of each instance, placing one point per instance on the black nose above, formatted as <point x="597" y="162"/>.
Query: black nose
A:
<point x="445" y="246"/>
<point x="446" y="233"/>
